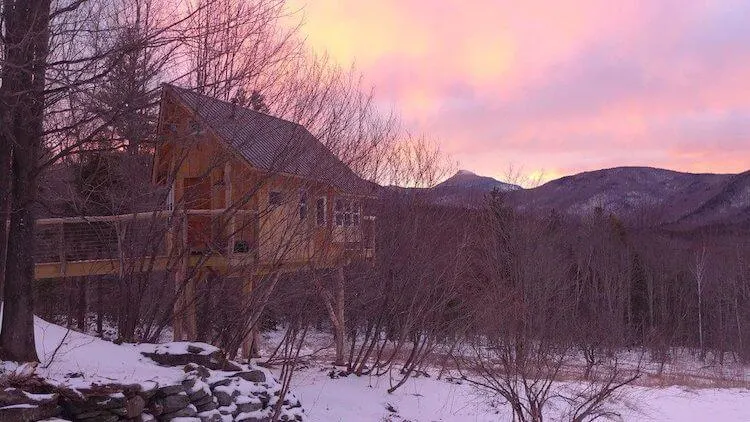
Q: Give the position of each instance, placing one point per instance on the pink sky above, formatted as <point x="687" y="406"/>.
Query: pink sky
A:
<point x="558" y="86"/>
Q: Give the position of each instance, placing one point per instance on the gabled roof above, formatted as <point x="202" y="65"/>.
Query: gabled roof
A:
<point x="271" y="144"/>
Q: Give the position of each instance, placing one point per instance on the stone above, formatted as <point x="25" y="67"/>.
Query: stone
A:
<point x="194" y="349"/>
<point x="186" y="412"/>
<point x="13" y="396"/>
<point x="228" y="410"/>
<point x="211" y="418"/>
<point x="134" y="406"/>
<point x="110" y="402"/>
<point x="252" y="376"/>
<point x="93" y="414"/>
<point x="110" y="418"/>
<point x="264" y="398"/>
<point x="174" y="403"/>
<point x="249" y="407"/>
<point x="223" y="397"/>
<point x="198" y="395"/>
<point x="189" y="383"/>
<point x="205" y="400"/>
<point x="207" y="407"/>
<point x="28" y="413"/>
<point x="215" y="360"/>
<point x="200" y="371"/>
<point x="170" y="390"/>
<point x="156" y="408"/>
<point x="147" y="394"/>
<point x="223" y="383"/>
<point x="253" y="419"/>
<point x="119" y="411"/>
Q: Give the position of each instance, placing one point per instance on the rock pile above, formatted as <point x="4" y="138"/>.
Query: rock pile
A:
<point x="217" y="392"/>
<point x="21" y="406"/>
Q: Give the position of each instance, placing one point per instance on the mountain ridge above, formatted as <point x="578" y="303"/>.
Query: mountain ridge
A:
<point x="641" y="195"/>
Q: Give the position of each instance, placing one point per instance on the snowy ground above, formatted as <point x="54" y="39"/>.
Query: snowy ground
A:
<point x="426" y="400"/>
<point x="352" y="398"/>
<point x="75" y="359"/>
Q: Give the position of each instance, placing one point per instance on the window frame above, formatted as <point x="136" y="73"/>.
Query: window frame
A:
<point x="321" y="214"/>
<point x="338" y="212"/>
<point x="356" y="213"/>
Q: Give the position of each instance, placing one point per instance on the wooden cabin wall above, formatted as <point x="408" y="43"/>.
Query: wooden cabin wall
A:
<point x="231" y="180"/>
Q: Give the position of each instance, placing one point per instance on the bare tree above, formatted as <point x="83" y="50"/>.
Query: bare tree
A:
<point x="22" y="98"/>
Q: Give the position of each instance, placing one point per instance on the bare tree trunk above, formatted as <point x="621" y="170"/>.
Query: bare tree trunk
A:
<point x="27" y="39"/>
<point x="99" y="308"/>
<point x="700" y="268"/>
<point x="339" y="323"/>
<point x="6" y="152"/>
<point x="81" y="308"/>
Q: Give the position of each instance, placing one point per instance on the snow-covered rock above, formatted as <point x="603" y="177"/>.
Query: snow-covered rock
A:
<point x="89" y="379"/>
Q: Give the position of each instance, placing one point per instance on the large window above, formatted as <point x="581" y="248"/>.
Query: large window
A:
<point x="347" y="213"/>
<point x="320" y="211"/>
<point x="338" y="212"/>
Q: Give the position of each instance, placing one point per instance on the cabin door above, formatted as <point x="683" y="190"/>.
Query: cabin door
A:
<point x="198" y="197"/>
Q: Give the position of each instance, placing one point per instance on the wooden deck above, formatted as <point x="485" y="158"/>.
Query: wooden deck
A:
<point x="136" y="243"/>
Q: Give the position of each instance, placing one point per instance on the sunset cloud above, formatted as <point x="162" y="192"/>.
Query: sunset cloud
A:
<point x="563" y="86"/>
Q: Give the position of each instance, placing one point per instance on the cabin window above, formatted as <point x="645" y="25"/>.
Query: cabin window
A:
<point x="274" y="198"/>
<point x="302" y="204"/>
<point x="338" y="212"/>
<point x="347" y="213"/>
<point x="355" y="213"/>
<point x="320" y="211"/>
<point x="170" y="199"/>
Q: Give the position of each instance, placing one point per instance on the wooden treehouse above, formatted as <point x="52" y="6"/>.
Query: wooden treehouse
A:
<point x="249" y="195"/>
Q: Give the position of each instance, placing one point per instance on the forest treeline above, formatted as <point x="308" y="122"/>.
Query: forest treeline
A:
<point x="447" y="272"/>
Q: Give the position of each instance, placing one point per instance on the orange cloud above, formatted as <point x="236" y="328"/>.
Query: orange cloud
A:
<point x="563" y="86"/>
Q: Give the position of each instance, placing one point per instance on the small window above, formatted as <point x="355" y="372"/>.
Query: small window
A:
<point x="274" y="198"/>
<point x="347" y="214"/>
<point x="170" y="199"/>
<point x="355" y="213"/>
<point x="302" y="204"/>
<point x="320" y="211"/>
<point x="339" y="212"/>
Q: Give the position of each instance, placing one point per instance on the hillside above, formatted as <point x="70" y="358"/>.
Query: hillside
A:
<point x="642" y="195"/>
<point x="463" y="189"/>
<point x="648" y="194"/>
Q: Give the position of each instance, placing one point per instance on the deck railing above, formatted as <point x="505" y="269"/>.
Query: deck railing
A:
<point x="133" y="242"/>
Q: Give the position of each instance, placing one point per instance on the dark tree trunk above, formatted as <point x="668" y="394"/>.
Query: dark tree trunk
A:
<point x="6" y="152"/>
<point x="22" y="101"/>
<point x="81" y="304"/>
<point x="99" y="308"/>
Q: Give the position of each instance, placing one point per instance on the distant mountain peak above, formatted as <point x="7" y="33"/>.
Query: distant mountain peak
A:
<point x="463" y="172"/>
<point x="466" y="179"/>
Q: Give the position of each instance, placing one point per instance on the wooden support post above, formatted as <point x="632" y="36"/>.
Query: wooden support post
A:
<point x="232" y="226"/>
<point x="191" y="326"/>
<point x="180" y="274"/>
<point x="251" y="340"/>
<point x="183" y="313"/>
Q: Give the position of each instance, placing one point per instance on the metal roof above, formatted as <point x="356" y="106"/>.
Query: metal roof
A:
<point x="270" y="143"/>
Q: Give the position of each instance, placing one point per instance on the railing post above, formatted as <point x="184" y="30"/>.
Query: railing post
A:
<point x="62" y="254"/>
